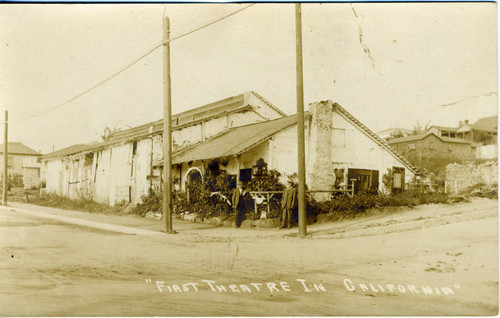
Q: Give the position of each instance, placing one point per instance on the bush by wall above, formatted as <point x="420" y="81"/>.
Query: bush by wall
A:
<point x="345" y="206"/>
<point x="81" y="204"/>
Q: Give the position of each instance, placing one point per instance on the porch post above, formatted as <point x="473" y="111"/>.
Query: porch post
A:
<point x="238" y="170"/>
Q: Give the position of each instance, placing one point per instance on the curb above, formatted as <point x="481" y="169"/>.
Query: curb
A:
<point x="91" y="224"/>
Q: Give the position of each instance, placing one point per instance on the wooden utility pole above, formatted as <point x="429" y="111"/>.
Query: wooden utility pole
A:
<point x="167" y="130"/>
<point x="300" y="125"/>
<point x="5" y="159"/>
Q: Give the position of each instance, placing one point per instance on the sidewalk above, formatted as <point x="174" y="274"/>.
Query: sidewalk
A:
<point x="136" y="225"/>
<point x="127" y="224"/>
<point x="371" y="223"/>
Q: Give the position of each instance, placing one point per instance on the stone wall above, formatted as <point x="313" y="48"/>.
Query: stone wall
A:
<point x="461" y="176"/>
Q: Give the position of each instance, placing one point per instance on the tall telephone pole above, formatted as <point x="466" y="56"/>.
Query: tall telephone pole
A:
<point x="300" y="124"/>
<point x="5" y="159"/>
<point x="167" y="130"/>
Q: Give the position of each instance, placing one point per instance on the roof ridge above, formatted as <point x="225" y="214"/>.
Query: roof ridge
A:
<point x="376" y="137"/>
<point x="269" y="103"/>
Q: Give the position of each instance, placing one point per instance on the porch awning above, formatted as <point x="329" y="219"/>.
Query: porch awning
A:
<point x="232" y="142"/>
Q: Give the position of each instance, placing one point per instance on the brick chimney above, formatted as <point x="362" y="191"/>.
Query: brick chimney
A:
<point x="320" y="174"/>
<point x="466" y="121"/>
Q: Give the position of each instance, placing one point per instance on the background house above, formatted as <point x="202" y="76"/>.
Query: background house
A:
<point x="443" y="131"/>
<point x="19" y="157"/>
<point x="431" y="152"/>
<point x="482" y="136"/>
<point x="483" y="131"/>
<point x="432" y="146"/>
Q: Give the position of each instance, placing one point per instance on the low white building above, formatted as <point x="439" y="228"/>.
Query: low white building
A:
<point x="121" y="169"/>
<point x="229" y="135"/>
<point x="339" y="149"/>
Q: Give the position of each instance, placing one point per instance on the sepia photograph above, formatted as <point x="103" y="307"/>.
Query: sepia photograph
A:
<point x="249" y="159"/>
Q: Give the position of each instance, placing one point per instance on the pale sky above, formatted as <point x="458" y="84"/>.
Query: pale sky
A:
<point x="421" y="56"/>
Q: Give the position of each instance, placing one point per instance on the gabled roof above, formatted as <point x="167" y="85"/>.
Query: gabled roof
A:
<point x="66" y="151"/>
<point x="219" y="108"/>
<point x="409" y="138"/>
<point x="486" y="123"/>
<point x="234" y="141"/>
<point x="19" y="148"/>
<point x="240" y="139"/>
<point x="425" y="135"/>
<point x="228" y="105"/>
<point x="440" y="128"/>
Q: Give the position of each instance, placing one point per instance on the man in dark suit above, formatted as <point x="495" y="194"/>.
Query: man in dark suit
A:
<point x="238" y="202"/>
<point x="288" y="203"/>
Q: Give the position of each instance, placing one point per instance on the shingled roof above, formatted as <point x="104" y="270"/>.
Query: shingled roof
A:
<point x="237" y="140"/>
<point x="486" y="123"/>
<point x="425" y="135"/>
<point x="18" y="148"/>
<point x="219" y="108"/>
<point x="234" y="141"/>
<point x="66" y="151"/>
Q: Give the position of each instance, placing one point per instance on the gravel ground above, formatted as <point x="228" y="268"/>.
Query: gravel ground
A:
<point x="431" y="260"/>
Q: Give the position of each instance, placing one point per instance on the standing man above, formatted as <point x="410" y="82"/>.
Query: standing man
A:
<point x="288" y="202"/>
<point x="238" y="203"/>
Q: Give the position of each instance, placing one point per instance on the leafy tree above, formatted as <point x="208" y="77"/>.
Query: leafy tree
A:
<point x="109" y="133"/>
<point x="418" y="129"/>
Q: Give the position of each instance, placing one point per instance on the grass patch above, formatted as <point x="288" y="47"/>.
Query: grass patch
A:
<point x="81" y="204"/>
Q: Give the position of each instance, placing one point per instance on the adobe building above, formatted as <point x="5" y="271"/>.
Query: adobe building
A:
<point x="229" y="135"/>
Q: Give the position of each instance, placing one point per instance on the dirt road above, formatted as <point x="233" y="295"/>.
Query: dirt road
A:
<point x="432" y="260"/>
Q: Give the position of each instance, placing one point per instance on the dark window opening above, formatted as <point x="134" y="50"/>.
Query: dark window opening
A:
<point x="194" y="181"/>
<point x="213" y="166"/>
<point x="96" y="166"/>
<point x="134" y="153"/>
<point x="245" y="175"/>
<point x="134" y="148"/>
<point x="365" y="180"/>
<point x="260" y="168"/>
<point x="232" y="181"/>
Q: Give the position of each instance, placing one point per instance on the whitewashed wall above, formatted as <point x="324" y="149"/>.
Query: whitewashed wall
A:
<point x="361" y="151"/>
<point x="214" y="126"/>
<point x="261" y="106"/>
<point x="108" y="178"/>
<point x="53" y="176"/>
<point x="245" y="118"/>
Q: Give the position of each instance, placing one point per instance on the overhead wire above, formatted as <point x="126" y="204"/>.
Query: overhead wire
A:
<point x="131" y="64"/>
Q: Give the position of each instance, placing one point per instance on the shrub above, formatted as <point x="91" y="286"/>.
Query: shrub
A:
<point x="80" y="204"/>
<point x="344" y="206"/>
<point x="269" y="181"/>
<point x="201" y="200"/>
<point x="149" y="202"/>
